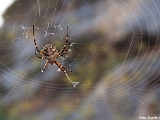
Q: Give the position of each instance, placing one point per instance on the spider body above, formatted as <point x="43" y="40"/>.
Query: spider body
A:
<point x="50" y="53"/>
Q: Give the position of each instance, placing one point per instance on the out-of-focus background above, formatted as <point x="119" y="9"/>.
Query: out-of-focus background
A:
<point x="114" y="53"/>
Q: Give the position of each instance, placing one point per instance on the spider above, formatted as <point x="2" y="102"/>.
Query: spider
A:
<point x="50" y="53"/>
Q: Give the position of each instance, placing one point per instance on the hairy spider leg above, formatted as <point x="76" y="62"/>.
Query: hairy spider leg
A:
<point x="37" y="54"/>
<point x="61" y="67"/>
<point x="35" y="42"/>
<point x="64" y="49"/>
<point x="45" y="66"/>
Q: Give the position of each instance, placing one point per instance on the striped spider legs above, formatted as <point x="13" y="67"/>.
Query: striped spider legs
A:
<point x="50" y="53"/>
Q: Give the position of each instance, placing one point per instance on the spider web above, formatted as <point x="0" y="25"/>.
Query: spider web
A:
<point x="114" y="52"/>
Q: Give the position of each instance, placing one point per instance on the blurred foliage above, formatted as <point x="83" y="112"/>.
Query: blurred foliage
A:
<point x="4" y="113"/>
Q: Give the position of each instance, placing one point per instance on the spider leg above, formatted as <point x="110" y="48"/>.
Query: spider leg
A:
<point x="35" y="41"/>
<point x="64" y="49"/>
<point x="37" y="55"/>
<point x="63" y="69"/>
<point x="45" y="66"/>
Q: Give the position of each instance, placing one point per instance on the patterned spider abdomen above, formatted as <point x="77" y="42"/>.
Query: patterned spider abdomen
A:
<point x="50" y="53"/>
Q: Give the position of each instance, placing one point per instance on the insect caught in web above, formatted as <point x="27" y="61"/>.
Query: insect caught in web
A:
<point x="50" y="54"/>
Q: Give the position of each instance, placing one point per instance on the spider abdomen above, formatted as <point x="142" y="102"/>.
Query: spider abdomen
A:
<point x="49" y="52"/>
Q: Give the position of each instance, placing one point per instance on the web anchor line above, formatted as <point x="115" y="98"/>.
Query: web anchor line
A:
<point x="74" y="83"/>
